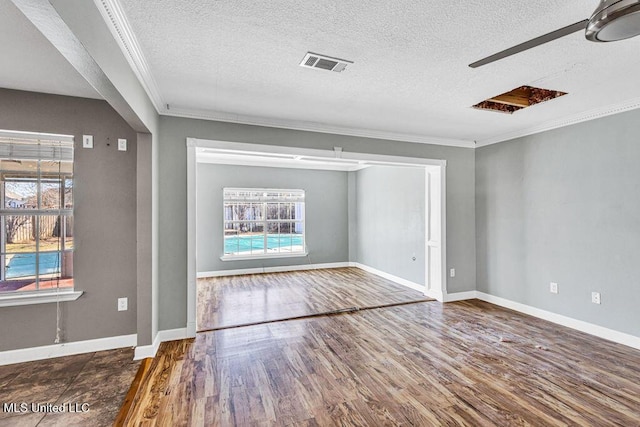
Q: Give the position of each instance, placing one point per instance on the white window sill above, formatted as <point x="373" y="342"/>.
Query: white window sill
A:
<point x="38" y="298"/>
<point x="263" y="256"/>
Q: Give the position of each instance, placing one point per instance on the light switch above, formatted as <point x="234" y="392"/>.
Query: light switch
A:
<point x="122" y="144"/>
<point x="87" y="141"/>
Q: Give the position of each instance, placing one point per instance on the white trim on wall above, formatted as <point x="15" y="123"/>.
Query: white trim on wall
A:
<point x="39" y="297"/>
<point x="278" y="269"/>
<point x="585" y="116"/>
<point x="120" y="29"/>
<point x="66" y="349"/>
<point x="145" y="351"/>
<point x="191" y="240"/>
<point x="315" y="127"/>
<point x="399" y="280"/>
<point x="559" y="319"/>
<point x="460" y="296"/>
<point x="569" y="322"/>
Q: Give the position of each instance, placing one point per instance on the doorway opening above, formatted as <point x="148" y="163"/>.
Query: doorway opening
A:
<point x="355" y="214"/>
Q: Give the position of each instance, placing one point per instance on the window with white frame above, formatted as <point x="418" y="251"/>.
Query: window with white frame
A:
<point x="263" y="222"/>
<point x="36" y="214"/>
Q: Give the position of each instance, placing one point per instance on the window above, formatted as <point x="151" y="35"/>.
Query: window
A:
<point x="263" y="223"/>
<point x="36" y="215"/>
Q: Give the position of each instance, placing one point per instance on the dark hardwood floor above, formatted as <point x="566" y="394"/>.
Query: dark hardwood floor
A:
<point x="100" y="380"/>
<point x="424" y="364"/>
<point x="249" y="299"/>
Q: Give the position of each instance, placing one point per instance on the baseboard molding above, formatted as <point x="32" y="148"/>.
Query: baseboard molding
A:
<point x="145" y="351"/>
<point x="66" y="349"/>
<point x="569" y="322"/>
<point x="396" y="279"/>
<point x="277" y="269"/>
<point x="460" y="296"/>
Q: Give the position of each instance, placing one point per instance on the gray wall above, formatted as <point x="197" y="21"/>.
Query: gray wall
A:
<point x="105" y="221"/>
<point x="173" y="197"/>
<point x="87" y="24"/>
<point x="390" y="220"/>
<point x="144" y="238"/>
<point x="325" y="212"/>
<point x="563" y="206"/>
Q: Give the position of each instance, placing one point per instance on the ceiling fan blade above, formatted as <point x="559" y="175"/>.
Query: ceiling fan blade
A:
<point x="569" y="29"/>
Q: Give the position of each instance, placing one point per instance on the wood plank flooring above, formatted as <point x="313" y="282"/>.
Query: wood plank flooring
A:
<point x="99" y="379"/>
<point x="425" y="364"/>
<point x="242" y="300"/>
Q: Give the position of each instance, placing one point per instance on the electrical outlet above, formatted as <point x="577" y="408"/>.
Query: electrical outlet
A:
<point x="595" y="297"/>
<point x="553" y="287"/>
<point x="452" y="272"/>
<point x="87" y="141"/>
<point x="122" y="304"/>
<point x="122" y="144"/>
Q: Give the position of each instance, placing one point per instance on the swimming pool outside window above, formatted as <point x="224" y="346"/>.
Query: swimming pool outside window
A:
<point x="262" y="223"/>
<point x="36" y="215"/>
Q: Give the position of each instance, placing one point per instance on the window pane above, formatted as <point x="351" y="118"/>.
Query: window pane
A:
<point x="255" y="218"/>
<point x="20" y="266"/>
<point x="68" y="193"/>
<point x="20" y="193"/>
<point x="49" y="264"/>
<point x="272" y="211"/>
<point x="19" y="233"/>
<point x="272" y="227"/>
<point x="50" y="233"/>
<point x="50" y="193"/>
<point x="285" y="210"/>
<point x="55" y="167"/>
<point x="298" y="211"/>
<point x="273" y="242"/>
<point x="37" y="249"/>
<point x="68" y="232"/>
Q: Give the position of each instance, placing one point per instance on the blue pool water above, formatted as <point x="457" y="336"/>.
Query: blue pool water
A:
<point x="24" y="264"/>
<point x="246" y="243"/>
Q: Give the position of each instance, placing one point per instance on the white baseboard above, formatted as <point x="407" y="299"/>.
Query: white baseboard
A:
<point x="66" y="349"/>
<point x="277" y="269"/>
<point x="461" y="296"/>
<point x="145" y="351"/>
<point x="569" y="322"/>
<point x="396" y="279"/>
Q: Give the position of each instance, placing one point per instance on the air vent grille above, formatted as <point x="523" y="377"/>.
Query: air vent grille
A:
<point x="311" y="61"/>
<point x="323" y="62"/>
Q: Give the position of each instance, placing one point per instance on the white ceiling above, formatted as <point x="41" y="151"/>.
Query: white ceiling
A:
<point x="31" y="63"/>
<point x="238" y="59"/>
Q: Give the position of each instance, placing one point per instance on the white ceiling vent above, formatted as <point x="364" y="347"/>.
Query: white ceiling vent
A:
<point x="313" y="60"/>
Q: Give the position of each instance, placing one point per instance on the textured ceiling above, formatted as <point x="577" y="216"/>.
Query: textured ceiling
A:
<point x="30" y="62"/>
<point x="410" y="73"/>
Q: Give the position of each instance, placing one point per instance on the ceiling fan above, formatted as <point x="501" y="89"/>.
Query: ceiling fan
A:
<point x="612" y="20"/>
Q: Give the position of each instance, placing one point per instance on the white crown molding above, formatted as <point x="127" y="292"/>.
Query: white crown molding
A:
<point x="314" y="127"/>
<point x="586" y="116"/>
<point x="116" y="20"/>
